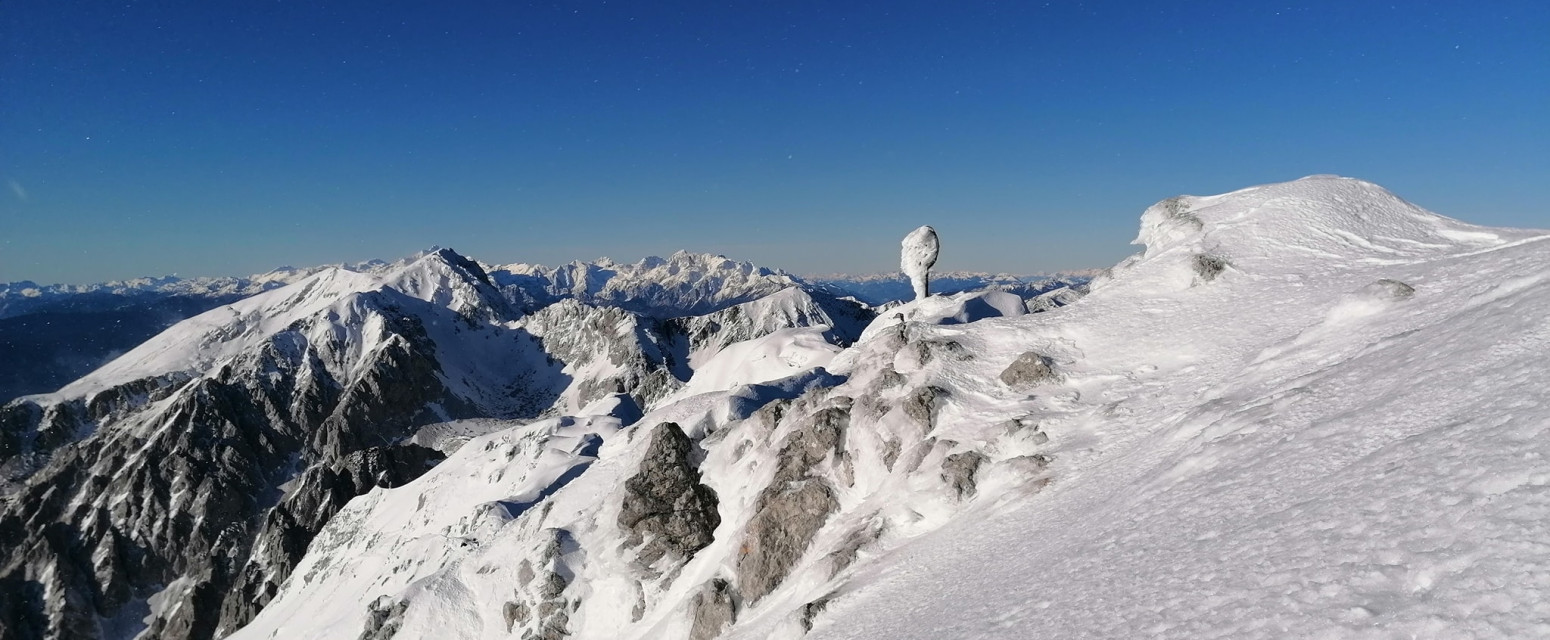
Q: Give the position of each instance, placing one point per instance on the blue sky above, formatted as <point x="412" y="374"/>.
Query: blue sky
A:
<point x="216" y="138"/>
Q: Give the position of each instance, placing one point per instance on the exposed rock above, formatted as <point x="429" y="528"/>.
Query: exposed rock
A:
<point x="181" y="501"/>
<point x="811" y="610"/>
<point x="290" y="526"/>
<point x="515" y="613"/>
<point x="17" y="419"/>
<point x="216" y="477"/>
<point x="793" y="307"/>
<point x="1390" y="290"/>
<point x="713" y="609"/>
<point x="1029" y="369"/>
<point x="890" y="378"/>
<point x="959" y="470"/>
<point x="681" y="283"/>
<point x="928" y="350"/>
<point x="791" y="510"/>
<point x="383" y="619"/>
<point x="923" y="403"/>
<point x="846" y="554"/>
<point x="891" y="449"/>
<point x="784" y="523"/>
<point x="665" y="506"/>
<point x="1207" y="267"/>
<point x="636" y="347"/>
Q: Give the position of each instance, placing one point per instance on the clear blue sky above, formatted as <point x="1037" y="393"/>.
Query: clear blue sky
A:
<point x="215" y="138"/>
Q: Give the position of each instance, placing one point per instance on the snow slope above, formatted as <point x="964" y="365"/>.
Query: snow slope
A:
<point x="1295" y="449"/>
<point x="1306" y="409"/>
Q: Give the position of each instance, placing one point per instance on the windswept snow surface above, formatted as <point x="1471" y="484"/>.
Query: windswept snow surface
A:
<point x="780" y="354"/>
<point x="1307" y="409"/>
<point x="1290" y="450"/>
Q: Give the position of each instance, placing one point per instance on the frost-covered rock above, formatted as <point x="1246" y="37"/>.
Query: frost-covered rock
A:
<point x="1030" y="368"/>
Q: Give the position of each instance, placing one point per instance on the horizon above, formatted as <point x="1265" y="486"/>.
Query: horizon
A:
<point x="836" y="275"/>
<point x="176" y="137"/>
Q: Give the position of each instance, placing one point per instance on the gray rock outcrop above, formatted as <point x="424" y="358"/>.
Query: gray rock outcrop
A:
<point x="793" y="507"/>
<point x="665" y="508"/>
<point x="1029" y="369"/>
<point x="713" y="609"/>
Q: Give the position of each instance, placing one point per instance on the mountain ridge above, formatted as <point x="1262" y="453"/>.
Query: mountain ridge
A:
<point x="841" y="474"/>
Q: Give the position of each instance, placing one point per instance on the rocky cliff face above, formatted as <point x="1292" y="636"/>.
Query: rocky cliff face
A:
<point x="160" y="485"/>
<point x="289" y="527"/>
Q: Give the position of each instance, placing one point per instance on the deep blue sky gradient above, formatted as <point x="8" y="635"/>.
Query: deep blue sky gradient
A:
<point x="213" y="138"/>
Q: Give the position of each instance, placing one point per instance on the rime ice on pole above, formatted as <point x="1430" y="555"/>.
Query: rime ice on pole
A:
<point x="917" y="256"/>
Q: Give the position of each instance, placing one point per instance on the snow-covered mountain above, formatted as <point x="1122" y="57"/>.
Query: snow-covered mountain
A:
<point x="1304" y="409"/>
<point x="681" y="284"/>
<point x="196" y="467"/>
<point x="18" y="298"/>
<point x="57" y="333"/>
<point x="53" y="334"/>
<point x="883" y="288"/>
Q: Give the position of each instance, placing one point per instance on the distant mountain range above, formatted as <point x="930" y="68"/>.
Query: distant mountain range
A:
<point x="57" y="333"/>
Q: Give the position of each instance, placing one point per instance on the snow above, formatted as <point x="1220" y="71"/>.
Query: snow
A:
<point x="1289" y="453"/>
<point x="780" y="354"/>
<point x="1305" y="409"/>
<point x="683" y="283"/>
<point x="206" y="341"/>
<point x="917" y="254"/>
<point x="199" y="343"/>
<point x="958" y="308"/>
<point x="488" y="482"/>
<point x="879" y="289"/>
<point x="18" y="298"/>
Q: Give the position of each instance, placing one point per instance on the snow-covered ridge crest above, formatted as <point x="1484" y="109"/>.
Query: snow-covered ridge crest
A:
<point x="201" y="343"/>
<point x="1226" y="439"/>
<point x="1321" y="213"/>
<point x="21" y="297"/>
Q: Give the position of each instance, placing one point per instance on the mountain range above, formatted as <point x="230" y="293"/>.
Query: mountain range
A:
<point x="57" y="333"/>
<point x="1301" y="409"/>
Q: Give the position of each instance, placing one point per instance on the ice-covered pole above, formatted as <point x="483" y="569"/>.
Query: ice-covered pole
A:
<point x="916" y="258"/>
